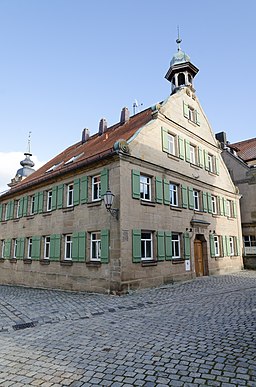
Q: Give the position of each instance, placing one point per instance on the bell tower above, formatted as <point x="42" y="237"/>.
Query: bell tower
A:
<point x="181" y="71"/>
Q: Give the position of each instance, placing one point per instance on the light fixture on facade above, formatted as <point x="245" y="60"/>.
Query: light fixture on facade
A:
<point x="108" y="198"/>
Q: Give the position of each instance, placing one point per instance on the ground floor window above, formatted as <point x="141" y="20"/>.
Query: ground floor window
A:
<point x="68" y="247"/>
<point x="176" y="245"/>
<point x="146" y="245"/>
<point x="29" y="251"/>
<point x="95" y="251"/>
<point x="47" y="242"/>
<point x="216" y="245"/>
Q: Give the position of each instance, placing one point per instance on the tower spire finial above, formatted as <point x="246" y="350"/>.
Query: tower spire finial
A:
<point x="29" y="142"/>
<point x="178" y="40"/>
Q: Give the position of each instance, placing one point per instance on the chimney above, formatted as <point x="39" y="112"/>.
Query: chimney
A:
<point x="125" y="115"/>
<point x="103" y="125"/>
<point x="221" y="137"/>
<point x="85" y="135"/>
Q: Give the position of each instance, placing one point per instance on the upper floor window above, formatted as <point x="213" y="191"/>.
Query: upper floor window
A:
<point x="146" y="245"/>
<point x="214" y="204"/>
<point x="95" y="251"/>
<point x="68" y="247"/>
<point x="192" y="154"/>
<point x="145" y="187"/>
<point x="17" y="208"/>
<point x="210" y="163"/>
<point x="70" y="195"/>
<point x="196" y="197"/>
<point x="32" y="204"/>
<point x="96" y="188"/>
<point x="176" y="245"/>
<point x="171" y="143"/>
<point x="191" y="114"/>
<point x="228" y="208"/>
<point x="49" y="201"/>
<point x="174" y="195"/>
<point x="249" y="241"/>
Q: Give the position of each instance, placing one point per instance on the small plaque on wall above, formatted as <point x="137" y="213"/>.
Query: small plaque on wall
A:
<point x="187" y="265"/>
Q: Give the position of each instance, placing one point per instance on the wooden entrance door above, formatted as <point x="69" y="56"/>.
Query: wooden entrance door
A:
<point x="199" y="261"/>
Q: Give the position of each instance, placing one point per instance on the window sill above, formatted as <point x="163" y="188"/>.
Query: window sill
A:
<point x="66" y="263"/>
<point x="30" y="217"/>
<point x="174" y="208"/>
<point x="195" y="166"/>
<point x="176" y="261"/>
<point x="3" y="222"/>
<point x="212" y="173"/>
<point x="198" y="212"/>
<point x="173" y="157"/>
<point x="68" y="209"/>
<point x="48" y="213"/>
<point x="147" y="203"/>
<point x="148" y="263"/>
<point x="27" y="261"/>
<point x="2" y="260"/>
<point x="44" y="262"/>
<point x="13" y="260"/>
<point x="16" y="220"/>
<point x="215" y="215"/>
<point x="93" y="204"/>
<point x="93" y="264"/>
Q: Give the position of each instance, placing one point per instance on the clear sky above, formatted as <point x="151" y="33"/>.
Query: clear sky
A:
<point x="65" y="64"/>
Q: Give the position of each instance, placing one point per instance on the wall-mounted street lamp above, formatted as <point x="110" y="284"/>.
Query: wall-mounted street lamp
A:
<point x="108" y="198"/>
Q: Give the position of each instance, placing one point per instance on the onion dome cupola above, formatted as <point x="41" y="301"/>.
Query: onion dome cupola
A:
<point x="27" y="167"/>
<point x="181" y="72"/>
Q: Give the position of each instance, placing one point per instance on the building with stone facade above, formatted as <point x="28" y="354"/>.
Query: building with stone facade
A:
<point x="175" y="213"/>
<point x="240" y="159"/>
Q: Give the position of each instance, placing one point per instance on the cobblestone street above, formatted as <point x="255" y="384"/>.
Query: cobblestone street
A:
<point x="196" y="333"/>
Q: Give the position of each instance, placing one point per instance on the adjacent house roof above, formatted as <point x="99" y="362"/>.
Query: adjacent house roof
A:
<point x="246" y="149"/>
<point x="96" y="147"/>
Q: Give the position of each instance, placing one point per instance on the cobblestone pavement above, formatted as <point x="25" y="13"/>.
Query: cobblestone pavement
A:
<point x="196" y="333"/>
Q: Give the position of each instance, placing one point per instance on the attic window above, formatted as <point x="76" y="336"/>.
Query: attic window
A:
<point x="54" y="167"/>
<point x="74" y="158"/>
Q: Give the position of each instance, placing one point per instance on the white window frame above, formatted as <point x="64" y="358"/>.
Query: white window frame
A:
<point x="49" y="200"/>
<point x="231" y="246"/>
<point x="192" y="154"/>
<point x="17" y="208"/>
<point x="29" y="250"/>
<point x="210" y="163"/>
<point x="145" y="188"/>
<point x="95" y="246"/>
<point x="214" y="205"/>
<point x="15" y="245"/>
<point x="68" y="247"/>
<point x="96" y="188"/>
<point x="171" y="144"/>
<point x="191" y="114"/>
<point x="32" y="204"/>
<point x="251" y="240"/>
<point x="174" y="197"/>
<point x="216" y="241"/>
<point x="228" y="208"/>
<point x="3" y="247"/>
<point x="70" y="195"/>
<point x="6" y="211"/>
<point x="196" y="199"/>
<point x="47" y="246"/>
<point x="146" y="245"/>
<point x="176" y="245"/>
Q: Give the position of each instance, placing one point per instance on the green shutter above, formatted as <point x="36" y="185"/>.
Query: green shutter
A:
<point x="159" y="190"/>
<point x="25" y="206"/>
<point x="7" y="210"/>
<point x="36" y="247"/>
<point x="212" y="249"/>
<point x="185" y="110"/>
<point x="205" y="207"/>
<point x="79" y="246"/>
<point x="209" y="200"/>
<point x="197" y="117"/>
<point x="238" y="248"/>
<point x="186" y="245"/>
<point x="1" y="211"/>
<point x="166" y="192"/>
<point x="224" y="240"/>
<point x="60" y="189"/>
<point x="20" y="214"/>
<point x="136" y="246"/>
<point x="160" y="246"/>
<point x="181" y="148"/>
<point x="84" y="189"/>
<point x="55" y="242"/>
<point x="190" y="198"/>
<point x="220" y="205"/>
<point x="135" y="184"/>
<point x="228" y="246"/>
<point x="10" y="209"/>
<point x="7" y="248"/>
<point x="36" y="202"/>
<point x="40" y="202"/>
<point x="104" y="256"/>
<point x="206" y="164"/>
<point x="224" y="206"/>
<point x="200" y="157"/>
<point x="103" y="182"/>
<point x="217" y="165"/>
<point x="165" y="140"/>
<point x="54" y="197"/>
<point x="20" y="248"/>
<point x="184" y="195"/>
<point x="76" y="191"/>
<point x="235" y="245"/>
<point x="234" y="209"/>
<point x="168" y="245"/>
<point x="187" y="150"/>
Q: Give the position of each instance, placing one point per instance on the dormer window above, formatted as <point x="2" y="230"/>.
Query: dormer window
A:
<point x="73" y="158"/>
<point x="52" y="168"/>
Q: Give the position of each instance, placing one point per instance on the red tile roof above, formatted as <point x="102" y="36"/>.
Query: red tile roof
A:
<point x="246" y="149"/>
<point x="96" y="147"/>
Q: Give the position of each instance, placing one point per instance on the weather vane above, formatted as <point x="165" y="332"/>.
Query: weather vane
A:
<point x="178" y="41"/>
<point x="29" y="137"/>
